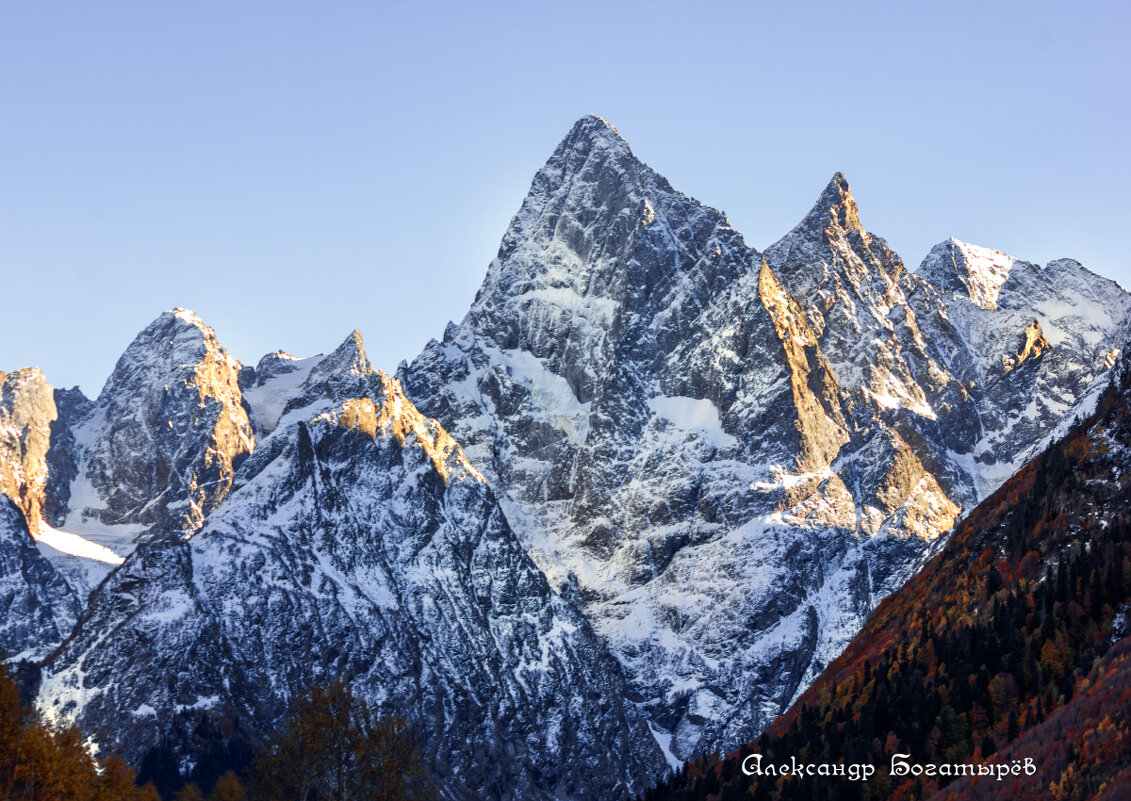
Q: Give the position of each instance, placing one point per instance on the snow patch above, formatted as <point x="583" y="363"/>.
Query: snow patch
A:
<point x="268" y="400"/>
<point x="986" y="271"/>
<point x="73" y="545"/>
<point x="699" y="415"/>
<point x="664" y="740"/>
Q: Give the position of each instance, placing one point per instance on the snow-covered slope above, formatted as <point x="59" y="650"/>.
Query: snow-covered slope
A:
<point x="728" y="458"/>
<point x="358" y="543"/>
<point x="270" y="384"/>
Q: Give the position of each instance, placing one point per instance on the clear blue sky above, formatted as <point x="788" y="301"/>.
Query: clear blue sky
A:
<point x="292" y="171"/>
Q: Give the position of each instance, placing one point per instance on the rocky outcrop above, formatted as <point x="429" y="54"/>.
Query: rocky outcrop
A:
<point x="27" y="412"/>
<point x="1035" y="345"/>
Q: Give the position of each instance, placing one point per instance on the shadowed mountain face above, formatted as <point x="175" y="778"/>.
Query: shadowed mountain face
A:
<point x="729" y="457"/>
<point x="1011" y="644"/>
<point x="39" y="607"/>
<point x="657" y="481"/>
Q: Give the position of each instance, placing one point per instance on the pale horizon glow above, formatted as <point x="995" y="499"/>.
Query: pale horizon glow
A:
<point x="293" y="171"/>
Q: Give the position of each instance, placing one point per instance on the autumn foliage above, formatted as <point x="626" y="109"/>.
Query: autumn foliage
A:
<point x="39" y="764"/>
<point x="334" y="748"/>
<point x="331" y="747"/>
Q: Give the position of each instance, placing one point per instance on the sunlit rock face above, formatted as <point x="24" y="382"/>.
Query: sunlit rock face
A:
<point x="27" y="411"/>
<point x="168" y="429"/>
<point x="729" y="457"/>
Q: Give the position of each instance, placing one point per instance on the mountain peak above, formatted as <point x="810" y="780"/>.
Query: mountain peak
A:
<point x="592" y="134"/>
<point x="186" y="316"/>
<point x="836" y="206"/>
<point x="975" y="271"/>
<point x="344" y="373"/>
<point x="175" y="340"/>
<point x="350" y="355"/>
<point x="169" y="431"/>
<point x="347" y="357"/>
<point x="595" y="126"/>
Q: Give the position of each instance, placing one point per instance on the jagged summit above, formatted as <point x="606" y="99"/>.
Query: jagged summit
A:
<point x="188" y="316"/>
<point x="594" y="129"/>
<point x="978" y="272"/>
<point x="275" y="356"/>
<point x="347" y="357"/>
<point x="159" y="447"/>
<point x="592" y="143"/>
<point x="175" y="339"/>
<point x="835" y="206"/>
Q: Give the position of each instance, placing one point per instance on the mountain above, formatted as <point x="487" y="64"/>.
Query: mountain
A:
<point x="729" y="457"/>
<point x="355" y="543"/>
<point x="1010" y="647"/>
<point x="155" y="451"/>
<point x="159" y="446"/>
<point x="625" y="512"/>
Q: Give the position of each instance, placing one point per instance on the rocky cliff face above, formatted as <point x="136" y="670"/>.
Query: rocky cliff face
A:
<point x="27" y="411"/>
<point x="358" y="543"/>
<point x="162" y="442"/>
<point x="38" y="607"/>
<point x="1016" y="630"/>
<point x="729" y="457"/>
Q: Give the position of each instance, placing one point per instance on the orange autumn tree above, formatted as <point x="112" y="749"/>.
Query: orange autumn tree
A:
<point x="45" y="765"/>
<point x="334" y="747"/>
